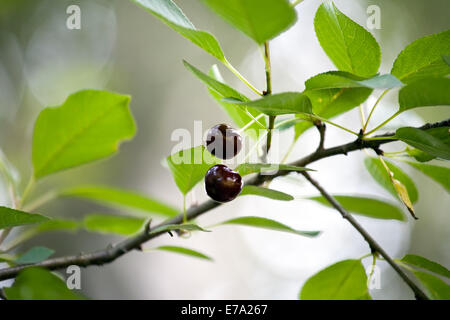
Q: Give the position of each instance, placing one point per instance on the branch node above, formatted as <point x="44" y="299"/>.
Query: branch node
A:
<point x="322" y="128"/>
<point x="378" y="151"/>
<point x="147" y="226"/>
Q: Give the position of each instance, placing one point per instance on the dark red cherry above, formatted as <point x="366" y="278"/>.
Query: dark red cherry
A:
<point x="222" y="184"/>
<point x="223" y="141"/>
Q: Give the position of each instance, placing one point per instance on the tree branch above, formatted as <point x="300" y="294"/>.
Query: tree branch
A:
<point x="321" y="127"/>
<point x="374" y="246"/>
<point x="134" y="243"/>
<point x="268" y="91"/>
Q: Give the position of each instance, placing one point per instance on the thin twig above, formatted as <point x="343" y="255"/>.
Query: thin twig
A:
<point x="373" y="109"/>
<point x="374" y="246"/>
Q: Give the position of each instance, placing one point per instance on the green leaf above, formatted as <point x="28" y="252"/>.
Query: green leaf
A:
<point x="278" y="104"/>
<point x="381" y="176"/>
<point x="88" y="126"/>
<point x="435" y="287"/>
<point x="219" y="90"/>
<point x="441" y="133"/>
<point x="424" y="141"/>
<point x="423" y="58"/>
<point x="345" y="280"/>
<point x="8" y="258"/>
<point x="419" y="155"/>
<point x="189" y="167"/>
<point x="426" y="264"/>
<point x="35" y="255"/>
<point x="423" y="93"/>
<point x="237" y="113"/>
<point x="39" y="284"/>
<point x="249" y="168"/>
<point x="171" y="227"/>
<point x="116" y="197"/>
<point x="261" y="20"/>
<point x="13" y="218"/>
<point x="329" y="103"/>
<point x="439" y="174"/>
<point x="185" y="251"/>
<point x="342" y="79"/>
<point x="265" y="192"/>
<point x="108" y="224"/>
<point x="58" y="225"/>
<point x="216" y="85"/>
<point x="169" y="13"/>
<point x="364" y="206"/>
<point x="264" y="223"/>
<point x="347" y="44"/>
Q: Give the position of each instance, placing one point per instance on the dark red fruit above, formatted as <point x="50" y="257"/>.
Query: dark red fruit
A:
<point x="223" y="141"/>
<point x="222" y="184"/>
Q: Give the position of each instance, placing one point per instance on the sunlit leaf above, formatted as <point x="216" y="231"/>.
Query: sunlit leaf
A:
<point x="13" y="218"/>
<point x="436" y="288"/>
<point x="109" y="224"/>
<point x="58" y="225"/>
<point x="218" y="86"/>
<point x="169" y="13"/>
<point x="53" y="225"/>
<point x="381" y="176"/>
<point x="440" y="133"/>
<point x="264" y="223"/>
<point x="219" y="90"/>
<point x="342" y="79"/>
<point x="423" y="93"/>
<point x="424" y="141"/>
<point x="365" y="206"/>
<point x="278" y="104"/>
<point x="404" y="196"/>
<point x="88" y="126"/>
<point x="423" y="58"/>
<point x="189" y="167"/>
<point x="439" y="174"/>
<point x="117" y="197"/>
<point x="347" y="44"/>
<point x="345" y="280"/>
<point x="39" y="284"/>
<point x="184" y="251"/>
<point x="261" y="20"/>
<point x="426" y="264"/>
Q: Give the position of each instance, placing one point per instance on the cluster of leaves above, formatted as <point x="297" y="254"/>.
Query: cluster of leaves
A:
<point x="91" y="124"/>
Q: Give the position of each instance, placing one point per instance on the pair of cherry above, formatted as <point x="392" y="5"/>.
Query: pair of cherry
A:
<point x="221" y="183"/>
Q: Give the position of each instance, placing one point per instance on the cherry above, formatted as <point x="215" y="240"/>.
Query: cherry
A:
<point x="223" y="141"/>
<point x="222" y="184"/>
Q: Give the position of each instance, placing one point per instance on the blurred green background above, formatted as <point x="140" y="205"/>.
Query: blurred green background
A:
<point x="122" y="48"/>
